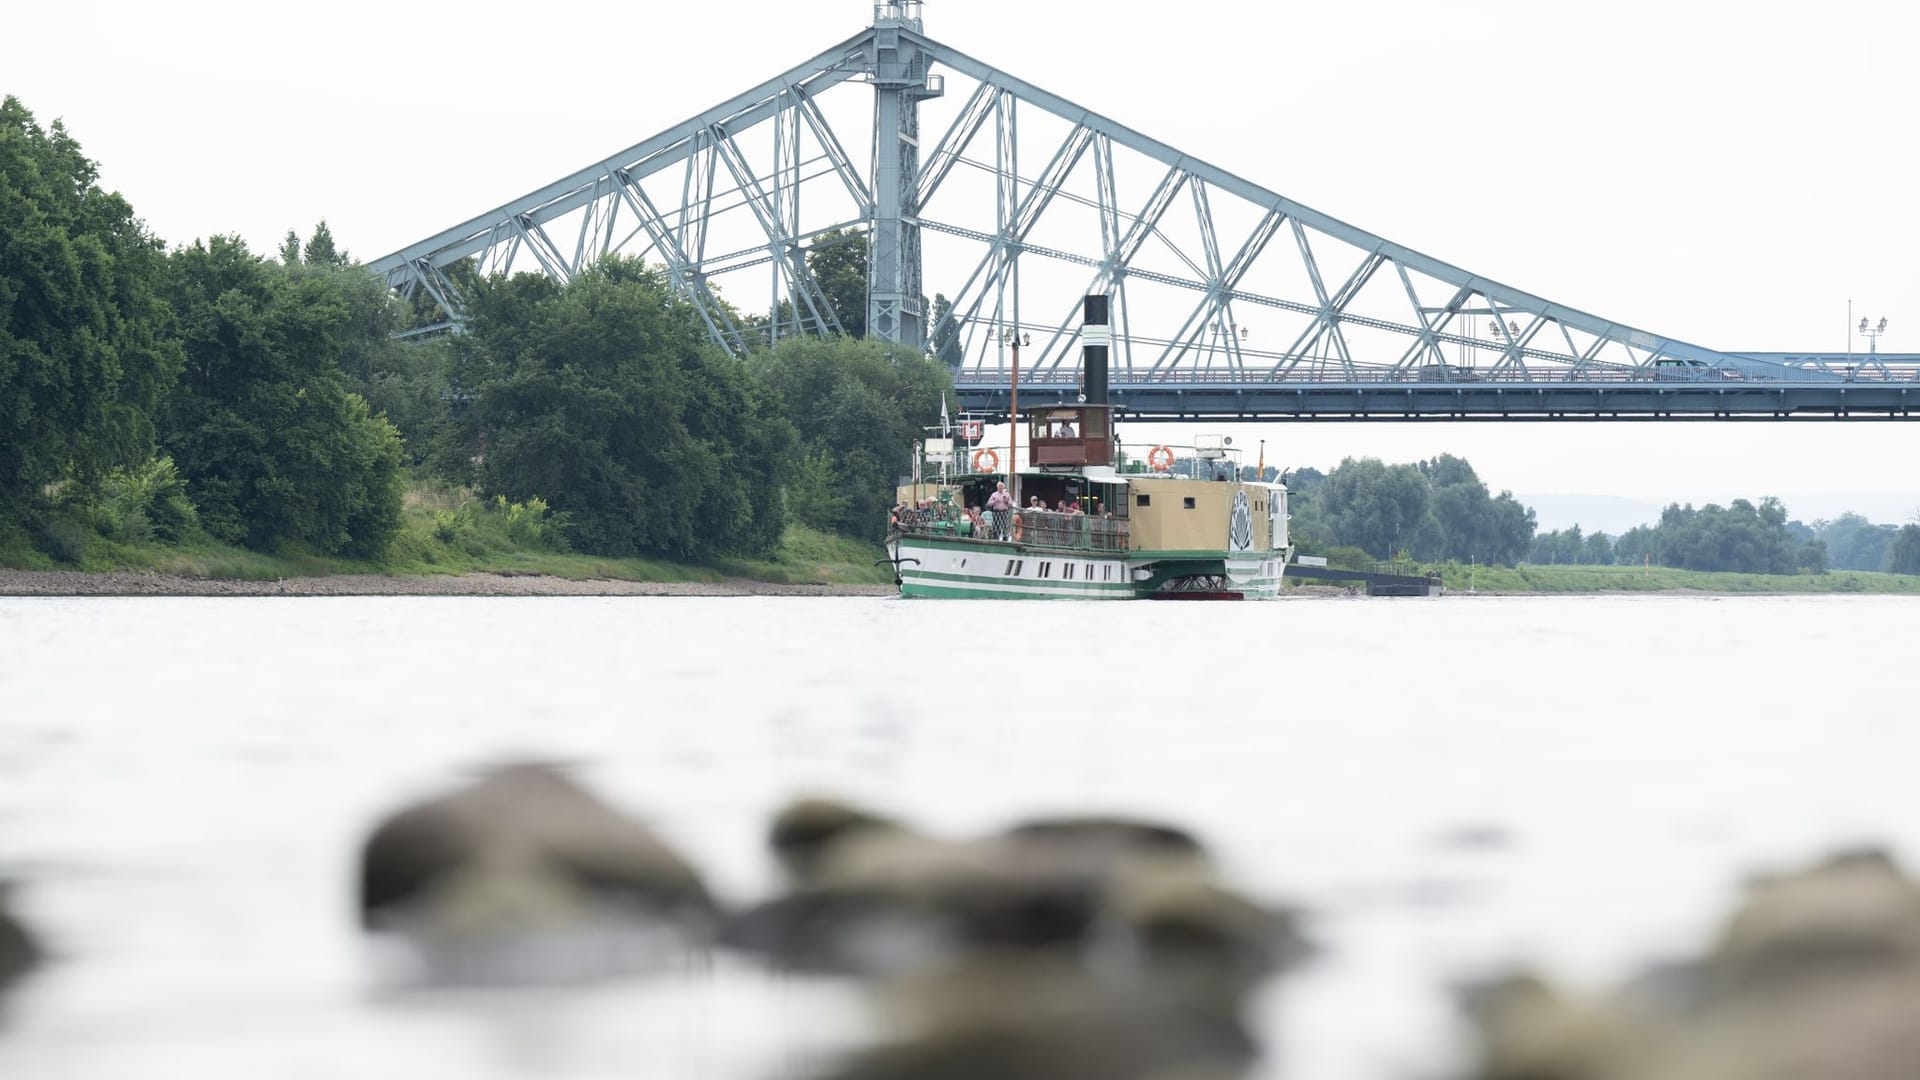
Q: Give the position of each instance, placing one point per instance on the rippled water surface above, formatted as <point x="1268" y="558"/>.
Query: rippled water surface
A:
<point x="1447" y="786"/>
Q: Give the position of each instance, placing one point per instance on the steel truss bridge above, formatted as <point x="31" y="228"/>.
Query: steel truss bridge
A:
<point x="1008" y="203"/>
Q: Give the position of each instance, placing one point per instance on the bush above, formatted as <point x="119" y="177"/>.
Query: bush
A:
<point x="450" y="525"/>
<point x="65" y="539"/>
<point x="532" y="524"/>
<point x="145" y="502"/>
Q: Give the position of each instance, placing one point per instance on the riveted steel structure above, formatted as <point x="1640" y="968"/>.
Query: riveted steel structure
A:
<point x="1010" y="203"/>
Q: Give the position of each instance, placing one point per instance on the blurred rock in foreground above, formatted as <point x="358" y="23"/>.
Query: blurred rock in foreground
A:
<point x="1061" y="947"/>
<point x="1100" y="1040"/>
<point x="524" y="876"/>
<point x="17" y="949"/>
<point x="870" y="896"/>
<point x="1815" y="977"/>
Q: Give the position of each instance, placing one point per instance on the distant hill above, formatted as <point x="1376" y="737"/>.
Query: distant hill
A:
<point x="1615" y="514"/>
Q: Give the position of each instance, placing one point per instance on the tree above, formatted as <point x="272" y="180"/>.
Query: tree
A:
<point x="1906" y="550"/>
<point x="320" y="250"/>
<point x="838" y="263"/>
<point x="945" y="344"/>
<point x="1742" y="538"/>
<point x="275" y="451"/>
<point x="1510" y="528"/>
<point x="1854" y="543"/>
<point x="1373" y="505"/>
<point x="605" y="397"/>
<point x="84" y="358"/>
<point x="1598" y="550"/>
<point x="858" y="408"/>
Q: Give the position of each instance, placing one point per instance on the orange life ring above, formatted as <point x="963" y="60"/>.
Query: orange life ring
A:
<point x="1019" y="526"/>
<point x="1160" y="458"/>
<point x="992" y="460"/>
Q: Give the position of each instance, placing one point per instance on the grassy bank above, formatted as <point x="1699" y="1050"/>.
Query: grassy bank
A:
<point x="1461" y="578"/>
<point x="445" y="531"/>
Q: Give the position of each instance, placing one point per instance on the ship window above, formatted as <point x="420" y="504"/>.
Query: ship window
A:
<point x="1189" y="502"/>
<point x="1143" y="500"/>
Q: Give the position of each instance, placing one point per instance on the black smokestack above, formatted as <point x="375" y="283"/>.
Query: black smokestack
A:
<point x="1094" y="336"/>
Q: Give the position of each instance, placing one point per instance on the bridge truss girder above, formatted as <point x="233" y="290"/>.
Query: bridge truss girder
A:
<point x="1024" y="203"/>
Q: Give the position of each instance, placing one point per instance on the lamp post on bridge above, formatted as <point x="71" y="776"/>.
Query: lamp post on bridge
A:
<point x="1232" y="330"/>
<point x="1500" y="343"/>
<point x="1873" y="334"/>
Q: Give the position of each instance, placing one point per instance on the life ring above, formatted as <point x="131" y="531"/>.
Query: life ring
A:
<point x="1160" y="458"/>
<point x="1019" y="526"/>
<point x="991" y="459"/>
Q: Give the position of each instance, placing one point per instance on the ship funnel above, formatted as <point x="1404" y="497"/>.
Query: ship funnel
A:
<point x="1095" y="339"/>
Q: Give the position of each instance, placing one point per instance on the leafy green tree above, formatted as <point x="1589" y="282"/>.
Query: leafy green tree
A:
<point x="605" y="398"/>
<point x="404" y="381"/>
<point x="945" y="343"/>
<point x="1510" y="527"/>
<point x="320" y="250"/>
<point x="858" y="407"/>
<point x="1742" y="538"/>
<point x="1906" y="550"/>
<point x="84" y="358"/>
<point x="1854" y="543"/>
<point x="1598" y="550"/>
<point x="274" y="449"/>
<point x="1307" y="524"/>
<point x="1373" y="505"/>
<point x="1810" y="557"/>
<point x="838" y="263"/>
<point x="1635" y="546"/>
<point x="1561" y="547"/>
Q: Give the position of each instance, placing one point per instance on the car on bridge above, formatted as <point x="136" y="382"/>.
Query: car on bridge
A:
<point x="1448" y="373"/>
<point x="1677" y="369"/>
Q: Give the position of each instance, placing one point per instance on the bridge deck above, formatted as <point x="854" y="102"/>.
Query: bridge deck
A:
<point x="1479" y="400"/>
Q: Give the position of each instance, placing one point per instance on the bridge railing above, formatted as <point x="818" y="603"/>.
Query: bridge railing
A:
<point x="987" y="377"/>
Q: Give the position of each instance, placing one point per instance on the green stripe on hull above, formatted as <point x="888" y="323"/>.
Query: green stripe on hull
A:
<point x="997" y="591"/>
<point x="941" y="566"/>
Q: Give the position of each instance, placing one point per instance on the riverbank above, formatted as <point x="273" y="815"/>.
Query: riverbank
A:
<point x="144" y="583"/>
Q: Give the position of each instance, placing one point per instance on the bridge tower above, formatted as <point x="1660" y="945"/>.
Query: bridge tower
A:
<point x="896" y="308"/>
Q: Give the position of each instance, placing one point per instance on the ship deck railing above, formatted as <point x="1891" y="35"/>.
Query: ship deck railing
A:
<point x="1037" y="528"/>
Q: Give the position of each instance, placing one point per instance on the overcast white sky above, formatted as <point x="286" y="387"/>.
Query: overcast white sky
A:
<point x="1731" y="175"/>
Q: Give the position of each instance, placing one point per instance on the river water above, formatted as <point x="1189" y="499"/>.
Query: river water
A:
<point x="1448" y="787"/>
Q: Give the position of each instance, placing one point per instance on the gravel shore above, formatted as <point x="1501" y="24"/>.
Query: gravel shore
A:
<point x="134" y="583"/>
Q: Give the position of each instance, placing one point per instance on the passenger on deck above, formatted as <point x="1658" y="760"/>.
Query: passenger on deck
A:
<point x="1000" y="505"/>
